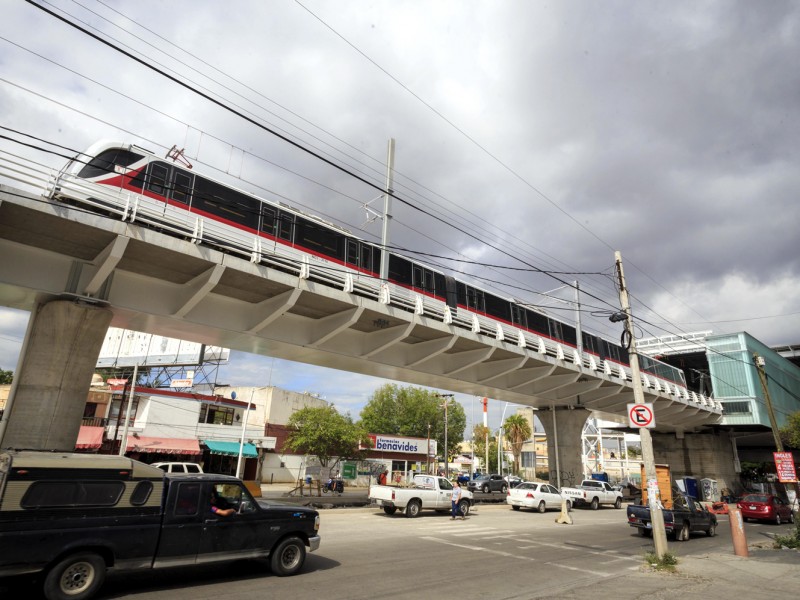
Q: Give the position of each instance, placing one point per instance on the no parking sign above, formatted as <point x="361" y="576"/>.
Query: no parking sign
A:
<point x="641" y="415"/>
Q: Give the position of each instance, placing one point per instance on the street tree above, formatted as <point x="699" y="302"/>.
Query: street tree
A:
<point x="6" y="377"/>
<point x="327" y="434"/>
<point x="479" y="437"/>
<point x="790" y="433"/>
<point x="517" y="432"/>
<point x="414" y="412"/>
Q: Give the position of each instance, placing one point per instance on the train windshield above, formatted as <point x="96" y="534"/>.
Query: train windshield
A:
<point x="105" y="162"/>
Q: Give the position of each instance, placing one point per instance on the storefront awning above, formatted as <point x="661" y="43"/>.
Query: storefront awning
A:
<point x="89" y="438"/>
<point x="161" y="445"/>
<point x="231" y="448"/>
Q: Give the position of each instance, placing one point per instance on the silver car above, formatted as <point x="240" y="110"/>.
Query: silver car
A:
<point x="532" y="494"/>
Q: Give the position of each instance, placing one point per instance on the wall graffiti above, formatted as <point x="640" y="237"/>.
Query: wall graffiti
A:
<point x="568" y="478"/>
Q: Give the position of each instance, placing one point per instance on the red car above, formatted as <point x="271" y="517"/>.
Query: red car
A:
<point x="765" y="507"/>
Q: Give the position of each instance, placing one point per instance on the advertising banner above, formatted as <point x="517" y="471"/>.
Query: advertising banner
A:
<point x="784" y="466"/>
<point x="406" y="445"/>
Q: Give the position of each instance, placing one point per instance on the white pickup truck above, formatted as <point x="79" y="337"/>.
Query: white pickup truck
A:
<point x="594" y="493"/>
<point x="426" y="492"/>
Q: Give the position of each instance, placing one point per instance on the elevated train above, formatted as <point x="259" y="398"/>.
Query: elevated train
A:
<point x="192" y="206"/>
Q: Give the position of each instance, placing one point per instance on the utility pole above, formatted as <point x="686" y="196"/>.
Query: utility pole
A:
<point x="762" y="376"/>
<point x="124" y="441"/>
<point x="445" y="404"/>
<point x="656" y="515"/>
<point x="387" y="212"/>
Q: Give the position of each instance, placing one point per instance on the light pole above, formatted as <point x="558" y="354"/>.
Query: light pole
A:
<point x="244" y="430"/>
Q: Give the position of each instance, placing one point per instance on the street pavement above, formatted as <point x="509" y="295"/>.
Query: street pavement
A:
<point x="766" y="573"/>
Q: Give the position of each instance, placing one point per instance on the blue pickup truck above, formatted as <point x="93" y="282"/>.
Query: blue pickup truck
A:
<point x="684" y="518"/>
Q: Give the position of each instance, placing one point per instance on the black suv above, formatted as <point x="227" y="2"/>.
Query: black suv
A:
<point x="488" y="483"/>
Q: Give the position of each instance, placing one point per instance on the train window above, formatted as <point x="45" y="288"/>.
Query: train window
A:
<point x="569" y="335"/>
<point x="418" y="277"/>
<point x="537" y="322"/>
<point x="461" y="293"/>
<point x="428" y="281"/>
<point x="366" y="258"/>
<point x="319" y="238"/>
<point x="399" y="269"/>
<point x="475" y="299"/>
<point x="351" y="256"/>
<point x="104" y="163"/>
<point x="224" y="202"/>
<point x="158" y="174"/>
<point x="439" y="285"/>
<point x="268" y="219"/>
<point x="555" y="329"/>
<point x="286" y="226"/>
<point x="518" y="315"/>
<point x="589" y="343"/>
<point x="182" y="186"/>
<point x="498" y="307"/>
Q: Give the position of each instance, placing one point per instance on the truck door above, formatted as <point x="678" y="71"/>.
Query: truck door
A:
<point x="246" y="533"/>
<point x="444" y="493"/>
<point x="183" y="525"/>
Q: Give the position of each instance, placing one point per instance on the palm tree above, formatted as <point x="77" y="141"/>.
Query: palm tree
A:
<point x="517" y="432"/>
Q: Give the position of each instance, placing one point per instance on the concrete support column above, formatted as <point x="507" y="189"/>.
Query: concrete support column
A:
<point x="564" y="445"/>
<point x="53" y="377"/>
<point x="700" y="455"/>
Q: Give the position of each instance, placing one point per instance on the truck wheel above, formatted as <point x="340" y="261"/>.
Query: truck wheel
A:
<point x="645" y="532"/>
<point x="682" y="534"/>
<point x="288" y="556"/>
<point x="504" y="489"/>
<point x="76" y="577"/>
<point x="463" y="508"/>
<point x="390" y="510"/>
<point x="413" y="508"/>
<point x="595" y="503"/>
<point x="569" y="506"/>
<point x="618" y="503"/>
<point x="542" y="507"/>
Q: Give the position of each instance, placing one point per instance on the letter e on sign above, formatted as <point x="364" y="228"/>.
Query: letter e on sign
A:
<point x="641" y="415"/>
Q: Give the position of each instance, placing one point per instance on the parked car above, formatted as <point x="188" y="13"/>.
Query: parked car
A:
<point x="531" y="494"/>
<point x="765" y="507"/>
<point x="488" y="483"/>
<point x="513" y="481"/>
<point x="179" y="467"/>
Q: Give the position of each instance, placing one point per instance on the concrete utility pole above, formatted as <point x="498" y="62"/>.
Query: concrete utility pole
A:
<point x="387" y="211"/>
<point x="444" y="405"/>
<point x="656" y="516"/>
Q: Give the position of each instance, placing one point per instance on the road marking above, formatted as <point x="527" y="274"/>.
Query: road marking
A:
<point x="516" y="556"/>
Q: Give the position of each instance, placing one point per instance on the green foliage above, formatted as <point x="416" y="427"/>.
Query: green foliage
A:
<point x="789" y="541"/>
<point x="517" y="430"/>
<point x="667" y="562"/>
<point x="790" y="434"/>
<point x="634" y="451"/>
<point x="6" y="377"/>
<point x="479" y="442"/>
<point x="408" y="411"/>
<point x="326" y="434"/>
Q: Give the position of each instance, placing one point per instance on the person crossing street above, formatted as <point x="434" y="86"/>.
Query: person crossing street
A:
<point x="455" y="498"/>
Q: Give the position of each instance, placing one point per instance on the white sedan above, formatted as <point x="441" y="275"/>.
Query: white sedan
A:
<point x="531" y="494"/>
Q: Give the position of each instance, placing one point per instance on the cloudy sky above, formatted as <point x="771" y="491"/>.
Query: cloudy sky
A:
<point x="536" y="135"/>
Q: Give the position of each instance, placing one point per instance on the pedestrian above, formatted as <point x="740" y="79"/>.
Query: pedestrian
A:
<point x="382" y="477"/>
<point x="455" y="498"/>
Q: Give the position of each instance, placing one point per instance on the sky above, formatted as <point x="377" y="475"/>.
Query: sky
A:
<point x="533" y="139"/>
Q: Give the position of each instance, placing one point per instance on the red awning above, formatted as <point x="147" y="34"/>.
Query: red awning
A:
<point x="89" y="438"/>
<point x="162" y="445"/>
